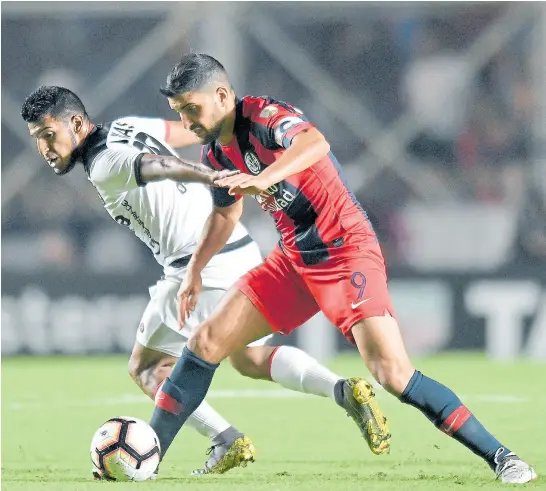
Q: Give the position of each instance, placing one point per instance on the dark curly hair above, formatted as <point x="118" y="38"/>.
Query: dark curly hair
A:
<point x="57" y="102"/>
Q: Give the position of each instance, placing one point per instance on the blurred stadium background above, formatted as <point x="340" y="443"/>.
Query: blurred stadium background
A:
<point x="437" y="112"/>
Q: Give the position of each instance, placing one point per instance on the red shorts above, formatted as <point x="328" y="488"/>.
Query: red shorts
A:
<point x="347" y="288"/>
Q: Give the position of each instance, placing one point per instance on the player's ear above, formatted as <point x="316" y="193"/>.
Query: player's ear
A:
<point x="222" y="93"/>
<point x="77" y="123"/>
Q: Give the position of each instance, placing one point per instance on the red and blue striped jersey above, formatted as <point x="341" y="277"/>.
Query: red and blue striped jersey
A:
<point x="314" y="211"/>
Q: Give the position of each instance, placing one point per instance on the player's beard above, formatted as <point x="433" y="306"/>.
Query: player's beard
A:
<point x="71" y="163"/>
<point x="72" y="160"/>
<point x="212" y="134"/>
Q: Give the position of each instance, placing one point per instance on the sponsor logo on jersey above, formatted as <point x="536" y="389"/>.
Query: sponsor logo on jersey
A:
<point x="152" y="244"/>
<point x="275" y="199"/>
<point x="268" y="111"/>
<point x="253" y="162"/>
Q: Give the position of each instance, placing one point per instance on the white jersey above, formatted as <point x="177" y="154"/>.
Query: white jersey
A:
<point x="167" y="216"/>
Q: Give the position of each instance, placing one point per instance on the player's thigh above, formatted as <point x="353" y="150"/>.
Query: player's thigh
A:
<point x="380" y="344"/>
<point x="209" y="298"/>
<point x="234" y="324"/>
<point x="279" y="293"/>
<point x="154" y="338"/>
<point x="163" y="308"/>
<point x="270" y="297"/>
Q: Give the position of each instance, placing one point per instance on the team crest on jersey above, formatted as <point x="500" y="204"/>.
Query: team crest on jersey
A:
<point x="268" y="111"/>
<point x="253" y="162"/>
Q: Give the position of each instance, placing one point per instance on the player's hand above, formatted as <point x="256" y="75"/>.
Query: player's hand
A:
<point x="187" y="295"/>
<point x="243" y="184"/>
<point x="221" y="174"/>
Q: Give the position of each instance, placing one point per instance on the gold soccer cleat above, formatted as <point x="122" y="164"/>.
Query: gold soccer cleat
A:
<point x="361" y="405"/>
<point x="222" y="458"/>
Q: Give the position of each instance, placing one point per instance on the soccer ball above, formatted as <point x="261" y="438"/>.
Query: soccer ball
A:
<point x="125" y="449"/>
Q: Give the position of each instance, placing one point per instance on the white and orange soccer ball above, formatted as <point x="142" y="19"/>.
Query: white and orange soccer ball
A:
<point x="125" y="449"/>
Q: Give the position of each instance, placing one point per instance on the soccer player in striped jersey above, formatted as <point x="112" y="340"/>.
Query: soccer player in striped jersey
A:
<point x="328" y="259"/>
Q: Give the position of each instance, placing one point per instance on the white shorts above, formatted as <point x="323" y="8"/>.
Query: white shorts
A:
<point x="158" y="329"/>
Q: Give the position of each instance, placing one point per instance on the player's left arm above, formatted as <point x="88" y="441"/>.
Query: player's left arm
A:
<point x="307" y="147"/>
<point x="281" y="127"/>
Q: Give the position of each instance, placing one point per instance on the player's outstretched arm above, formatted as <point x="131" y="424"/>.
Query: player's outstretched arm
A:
<point x="158" y="167"/>
<point x="218" y="228"/>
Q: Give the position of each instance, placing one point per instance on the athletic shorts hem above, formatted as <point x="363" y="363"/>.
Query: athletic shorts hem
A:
<point x="161" y="350"/>
<point x="348" y="323"/>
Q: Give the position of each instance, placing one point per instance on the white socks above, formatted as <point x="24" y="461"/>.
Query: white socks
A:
<point x="207" y="421"/>
<point x="296" y="370"/>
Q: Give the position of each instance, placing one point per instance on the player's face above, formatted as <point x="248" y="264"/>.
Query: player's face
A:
<point x="203" y="113"/>
<point x="56" y="140"/>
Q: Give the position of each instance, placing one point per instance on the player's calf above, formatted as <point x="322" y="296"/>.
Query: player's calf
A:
<point x="253" y="362"/>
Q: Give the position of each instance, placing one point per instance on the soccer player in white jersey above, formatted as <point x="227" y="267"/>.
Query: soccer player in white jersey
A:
<point x="165" y="202"/>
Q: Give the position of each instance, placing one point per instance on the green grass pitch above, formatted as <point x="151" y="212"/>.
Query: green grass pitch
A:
<point x="52" y="406"/>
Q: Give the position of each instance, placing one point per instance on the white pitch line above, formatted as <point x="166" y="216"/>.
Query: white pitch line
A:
<point x="242" y="394"/>
<point x="142" y="399"/>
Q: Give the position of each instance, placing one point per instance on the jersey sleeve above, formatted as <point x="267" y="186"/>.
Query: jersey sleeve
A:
<point x="281" y="121"/>
<point x="220" y="196"/>
<point x="155" y="127"/>
<point x="117" y="168"/>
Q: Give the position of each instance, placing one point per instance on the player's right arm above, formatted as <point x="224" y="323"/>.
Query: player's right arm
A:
<point x="216" y="232"/>
<point x="218" y="229"/>
<point x="135" y="154"/>
<point x="220" y="224"/>
<point x="122" y="167"/>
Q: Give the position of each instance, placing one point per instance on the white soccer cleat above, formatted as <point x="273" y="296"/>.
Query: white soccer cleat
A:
<point x="512" y="470"/>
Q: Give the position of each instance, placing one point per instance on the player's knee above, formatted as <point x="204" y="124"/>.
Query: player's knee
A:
<point x="392" y="375"/>
<point x="206" y="344"/>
